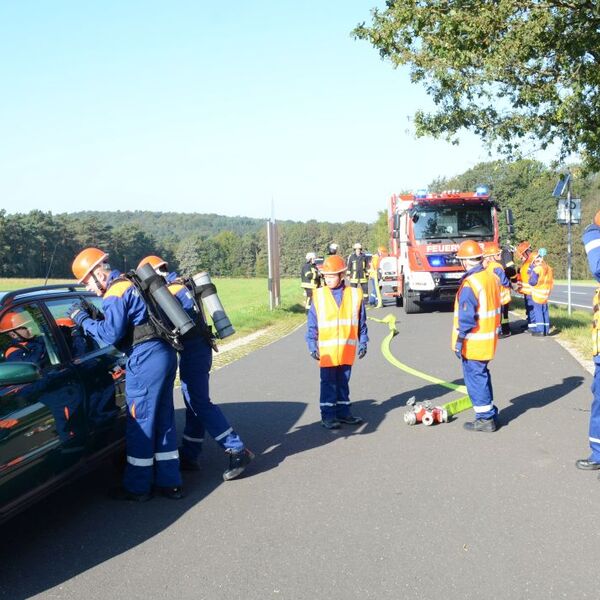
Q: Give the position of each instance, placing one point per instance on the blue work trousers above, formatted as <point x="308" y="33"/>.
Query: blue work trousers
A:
<point x="335" y="392"/>
<point x="595" y="417"/>
<point x="201" y="414"/>
<point x="479" y="387"/>
<point x="541" y="318"/>
<point x="373" y="300"/>
<point x="151" y="438"/>
<point x="529" y="311"/>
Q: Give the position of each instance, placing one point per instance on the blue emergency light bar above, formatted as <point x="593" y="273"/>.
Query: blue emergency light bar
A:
<point x="482" y="190"/>
<point x="421" y="194"/>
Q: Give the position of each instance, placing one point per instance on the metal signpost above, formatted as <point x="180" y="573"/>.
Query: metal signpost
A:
<point x="569" y="212"/>
<point x="273" y="260"/>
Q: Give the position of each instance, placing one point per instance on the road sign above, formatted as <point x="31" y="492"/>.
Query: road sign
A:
<point x="562" y="211"/>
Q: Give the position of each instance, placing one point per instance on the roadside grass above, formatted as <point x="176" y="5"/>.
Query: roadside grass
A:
<point x="573" y="329"/>
<point x="246" y="302"/>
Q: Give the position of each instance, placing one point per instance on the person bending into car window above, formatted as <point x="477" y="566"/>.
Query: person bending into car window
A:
<point x="151" y="438"/>
<point x="25" y="346"/>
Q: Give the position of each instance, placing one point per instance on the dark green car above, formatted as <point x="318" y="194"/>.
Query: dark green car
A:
<point x="62" y="400"/>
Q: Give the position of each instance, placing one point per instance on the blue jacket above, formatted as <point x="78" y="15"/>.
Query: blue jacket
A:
<point x="312" y="333"/>
<point x="123" y="308"/>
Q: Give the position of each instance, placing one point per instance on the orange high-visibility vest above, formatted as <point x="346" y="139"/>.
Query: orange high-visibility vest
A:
<point x="504" y="291"/>
<point x="525" y="287"/>
<point x="480" y="342"/>
<point x="338" y="325"/>
<point x="375" y="260"/>
<point x="541" y="291"/>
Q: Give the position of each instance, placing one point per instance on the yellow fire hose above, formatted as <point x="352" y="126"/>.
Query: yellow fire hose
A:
<point x="455" y="406"/>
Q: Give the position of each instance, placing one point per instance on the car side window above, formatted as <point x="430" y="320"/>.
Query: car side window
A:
<point x="77" y="341"/>
<point x="25" y="337"/>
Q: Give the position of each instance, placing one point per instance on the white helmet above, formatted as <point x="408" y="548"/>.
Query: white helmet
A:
<point x="333" y="246"/>
<point x="311" y="255"/>
<point x="357" y="246"/>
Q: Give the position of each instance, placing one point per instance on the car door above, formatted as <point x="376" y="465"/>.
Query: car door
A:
<point x="101" y="370"/>
<point x="42" y="429"/>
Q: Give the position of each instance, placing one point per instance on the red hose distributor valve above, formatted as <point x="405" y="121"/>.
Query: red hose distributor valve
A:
<point x="424" y="413"/>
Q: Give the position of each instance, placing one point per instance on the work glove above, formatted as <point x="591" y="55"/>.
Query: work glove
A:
<point x="362" y="350"/>
<point x="458" y="348"/>
<point x="77" y="313"/>
<point x="315" y="354"/>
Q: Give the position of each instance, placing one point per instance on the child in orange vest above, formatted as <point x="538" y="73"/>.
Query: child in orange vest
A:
<point x="336" y="327"/>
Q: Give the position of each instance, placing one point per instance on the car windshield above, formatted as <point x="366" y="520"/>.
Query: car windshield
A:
<point x="452" y="222"/>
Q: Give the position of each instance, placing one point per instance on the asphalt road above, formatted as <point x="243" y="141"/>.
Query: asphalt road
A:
<point x="382" y="511"/>
<point x="581" y="296"/>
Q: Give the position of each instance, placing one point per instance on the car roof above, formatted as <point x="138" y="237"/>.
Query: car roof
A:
<point x="42" y="291"/>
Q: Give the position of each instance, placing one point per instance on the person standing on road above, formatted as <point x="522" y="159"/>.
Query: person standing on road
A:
<point x="524" y="254"/>
<point x="151" y="438"/>
<point x="310" y="278"/>
<point x="491" y="258"/>
<point x="357" y="269"/>
<point x="337" y="325"/>
<point x="195" y="362"/>
<point x="508" y="263"/>
<point x="541" y="281"/>
<point x="591" y="241"/>
<point x="374" y="291"/>
<point x="475" y="333"/>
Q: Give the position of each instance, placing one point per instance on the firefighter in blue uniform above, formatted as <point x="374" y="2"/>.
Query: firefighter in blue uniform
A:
<point x="591" y="241"/>
<point x="195" y="362"/>
<point x="475" y="333"/>
<point x="152" y="456"/>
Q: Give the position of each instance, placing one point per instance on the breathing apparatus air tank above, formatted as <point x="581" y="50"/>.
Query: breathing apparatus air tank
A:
<point x="206" y="292"/>
<point x="156" y="286"/>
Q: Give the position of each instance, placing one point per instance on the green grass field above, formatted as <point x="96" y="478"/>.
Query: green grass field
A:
<point x="245" y="300"/>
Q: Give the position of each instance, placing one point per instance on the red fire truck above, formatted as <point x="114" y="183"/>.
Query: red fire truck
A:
<point x="425" y="232"/>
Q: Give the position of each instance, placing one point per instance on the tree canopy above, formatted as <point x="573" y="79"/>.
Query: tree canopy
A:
<point x="515" y="72"/>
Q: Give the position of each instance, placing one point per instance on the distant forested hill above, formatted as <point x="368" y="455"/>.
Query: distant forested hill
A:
<point x="166" y="225"/>
<point x="40" y="243"/>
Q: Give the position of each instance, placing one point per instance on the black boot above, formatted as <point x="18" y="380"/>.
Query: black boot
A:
<point x="238" y="461"/>
<point x="350" y="420"/>
<point x="173" y="493"/>
<point x="484" y="425"/>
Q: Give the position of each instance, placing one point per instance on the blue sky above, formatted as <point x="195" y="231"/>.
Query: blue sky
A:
<point x="207" y="107"/>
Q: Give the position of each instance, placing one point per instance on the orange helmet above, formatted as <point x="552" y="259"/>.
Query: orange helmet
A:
<point x="333" y="265"/>
<point x="156" y="262"/>
<point x="13" y="320"/>
<point x="597" y="218"/>
<point x="468" y="249"/>
<point x="522" y="248"/>
<point x="86" y="261"/>
<point x="382" y="250"/>
<point x="491" y="249"/>
<point x="65" y="322"/>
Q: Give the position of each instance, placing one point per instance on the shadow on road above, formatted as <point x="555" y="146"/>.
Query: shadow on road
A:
<point x="538" y="398"/>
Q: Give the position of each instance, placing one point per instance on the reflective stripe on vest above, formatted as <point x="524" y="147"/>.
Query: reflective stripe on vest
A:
<point x="338" y="326"/>
<point x="504" y="291"/>
<point x="596" y="324"/>
<point x="541" y="291"/>
<point x="480" y="342"/>
<point x="525" y="287"/>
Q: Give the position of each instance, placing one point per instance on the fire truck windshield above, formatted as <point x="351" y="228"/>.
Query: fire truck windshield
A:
<point x="453" y="221"/>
